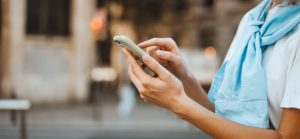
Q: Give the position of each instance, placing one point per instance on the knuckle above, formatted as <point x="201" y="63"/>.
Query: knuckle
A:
<point x="155" y="39"/>
<point x="168" y="55"/>
<point x="149" y="62"/>
<point x="142" y="91"/>
<point x="169" y="39"/>
<point x="145" y="83"/>
<point x="142" y="96"/>
<point x="153" y="65"/>
<point x="168" y="76"/>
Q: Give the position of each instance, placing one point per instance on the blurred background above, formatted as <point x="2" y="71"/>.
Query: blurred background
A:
<point x="59" y="55"/>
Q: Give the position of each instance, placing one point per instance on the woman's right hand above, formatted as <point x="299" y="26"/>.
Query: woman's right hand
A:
<point x="166" y="52"/>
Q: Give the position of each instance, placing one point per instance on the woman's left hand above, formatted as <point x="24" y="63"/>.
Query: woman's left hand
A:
<point x="165" y="90"/>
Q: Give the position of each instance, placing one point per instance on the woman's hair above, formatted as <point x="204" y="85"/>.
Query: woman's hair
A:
<point x="290" y="1"/>
<point x="293" y="1"/>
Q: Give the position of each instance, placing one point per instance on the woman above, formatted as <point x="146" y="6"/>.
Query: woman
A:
<point x="257" y="82"/>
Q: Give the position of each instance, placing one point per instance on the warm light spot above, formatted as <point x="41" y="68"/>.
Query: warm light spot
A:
<point x="210" y="52"/>
<point x="97" y="24"/>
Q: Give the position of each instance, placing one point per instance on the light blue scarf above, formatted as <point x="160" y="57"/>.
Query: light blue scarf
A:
<point x="239" y="88"/>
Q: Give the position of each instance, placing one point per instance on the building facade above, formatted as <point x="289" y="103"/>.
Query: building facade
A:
<point x="48" y="51"/>
<point x="42" y="63"/>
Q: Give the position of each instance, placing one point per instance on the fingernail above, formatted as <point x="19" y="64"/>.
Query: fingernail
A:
<point x="140" y="44"/>
<point x="159" y="53"/>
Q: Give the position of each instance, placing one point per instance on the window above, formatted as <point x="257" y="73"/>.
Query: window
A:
<point x="208" y="3"/>
<point x="48" y="17"/>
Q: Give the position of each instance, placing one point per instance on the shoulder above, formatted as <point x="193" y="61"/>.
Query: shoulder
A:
<point x="290" y="44"/>
<point x="292" y="36"/>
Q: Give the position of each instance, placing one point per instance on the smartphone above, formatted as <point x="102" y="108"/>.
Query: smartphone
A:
<point x="125" y="42"/>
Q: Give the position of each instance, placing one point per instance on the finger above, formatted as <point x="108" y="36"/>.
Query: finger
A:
<point x="142" y="96"/>
<point x="156" y="67"/>
<point x="152" y="101"/>
<point x="152" y="52"/>
<point x="168" y="56"/>
<point x="131" y="58"/>
<point x="146" y="79"/>
<point x="148" y="99"/>
<point x="137" y="83"/>
<point x="127" y="53"/>
<point x="165" y="43"/>
<point x="137" y="70"/>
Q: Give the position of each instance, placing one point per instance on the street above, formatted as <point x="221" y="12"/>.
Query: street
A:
<point x="101" y="122"/>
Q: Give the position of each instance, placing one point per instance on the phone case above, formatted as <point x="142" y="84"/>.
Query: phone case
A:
<point x="125" y="42"/>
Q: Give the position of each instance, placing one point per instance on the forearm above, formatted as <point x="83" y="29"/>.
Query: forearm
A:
<point x="195" y="91"/>
<point x="217" y="126"/>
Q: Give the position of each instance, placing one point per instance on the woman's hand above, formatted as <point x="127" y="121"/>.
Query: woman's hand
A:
<point x="165" y="90"/>
<point x="166" y="52"/>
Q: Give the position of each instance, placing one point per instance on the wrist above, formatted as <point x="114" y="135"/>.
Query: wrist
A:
<point x="185" y="75"/>
<point x="180" y="107"/>
<point x="188" y="80"/>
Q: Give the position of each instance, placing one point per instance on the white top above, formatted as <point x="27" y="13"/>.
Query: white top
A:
<point x="282" y="69"/>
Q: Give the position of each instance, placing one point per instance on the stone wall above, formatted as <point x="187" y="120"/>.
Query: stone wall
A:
<point x="43" y="69"/>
